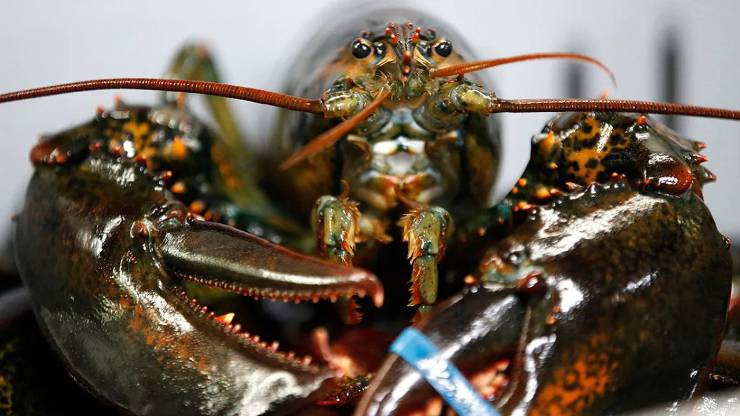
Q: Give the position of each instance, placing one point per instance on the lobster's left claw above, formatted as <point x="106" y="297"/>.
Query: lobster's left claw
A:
<point x="484" y="326"/>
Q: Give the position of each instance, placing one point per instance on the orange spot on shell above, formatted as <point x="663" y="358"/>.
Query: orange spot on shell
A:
<point x="574" y="387"/>
<point x="179" y="188"/>
<point x="524" y="206"/>
<point x="547" y="144"/>
<point x="542" y="193"/>
<point x="197" y="206"/>
<point x="178" y="148"/>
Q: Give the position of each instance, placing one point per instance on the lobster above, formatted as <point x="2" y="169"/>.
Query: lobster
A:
<point x="143" y="231"/>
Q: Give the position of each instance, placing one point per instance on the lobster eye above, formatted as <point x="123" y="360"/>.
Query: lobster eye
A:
<point x="360" y="49"/>
<point x="443" y="49"/>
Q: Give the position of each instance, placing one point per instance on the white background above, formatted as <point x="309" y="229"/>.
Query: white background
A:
<point x="45" y="42"/>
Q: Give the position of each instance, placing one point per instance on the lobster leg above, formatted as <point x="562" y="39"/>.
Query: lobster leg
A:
<point x="426" y="230"/>
<point x="335" y="221"/>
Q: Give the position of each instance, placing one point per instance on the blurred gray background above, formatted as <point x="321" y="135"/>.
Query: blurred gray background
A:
<point x="668" y="49"/>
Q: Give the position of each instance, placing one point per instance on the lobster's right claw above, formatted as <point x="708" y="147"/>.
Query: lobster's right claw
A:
<point x="109" y="294"/>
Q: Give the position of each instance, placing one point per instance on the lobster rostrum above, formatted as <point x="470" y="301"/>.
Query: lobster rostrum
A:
<point x="140" y="226"/>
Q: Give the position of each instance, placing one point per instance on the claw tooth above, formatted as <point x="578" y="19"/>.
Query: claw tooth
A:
<point x="204" y="309"/>
<point x="297" y="300"/>
<point x="290" y="355"/>
<point x="274" y="346"/>
<point x="225" y="318"/>
<point x="256" y="338"/>
<point x="361" y="293"/>
<point x="333" y="298"/>
<point x="236" y="328"/>
<point x="315" y="299"/>
<point x="306" y="360"/>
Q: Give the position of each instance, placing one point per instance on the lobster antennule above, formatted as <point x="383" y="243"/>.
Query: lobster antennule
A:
<point x="159" y="84"/>
<point x="337" y="132"/>
<point x="546" y="105"/>
<point x="468" y="67"/>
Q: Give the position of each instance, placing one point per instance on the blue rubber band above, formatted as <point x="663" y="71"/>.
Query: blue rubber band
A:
<point x="441" y="374"/>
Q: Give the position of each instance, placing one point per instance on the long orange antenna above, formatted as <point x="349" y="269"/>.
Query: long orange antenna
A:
<point x="467" y="67"/>
<point x="158" y="84"/>
<point x="337" y="132"/>
<point x="571" y="104"/>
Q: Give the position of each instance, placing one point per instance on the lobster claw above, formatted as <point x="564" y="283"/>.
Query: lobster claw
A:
<point x="483" y="326"/>
<point x="109" y="295"/>
<point x="611" y="302"/>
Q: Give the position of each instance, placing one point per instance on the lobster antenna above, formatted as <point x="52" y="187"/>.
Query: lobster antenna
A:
<point x="176" y="85"/>
<point x="573" y="104"/>
<point x="329" y="137"/>
<point x="467" y="67"/>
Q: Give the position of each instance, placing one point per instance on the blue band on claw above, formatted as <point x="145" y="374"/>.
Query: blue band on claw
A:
<point x="441" y="374"/>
